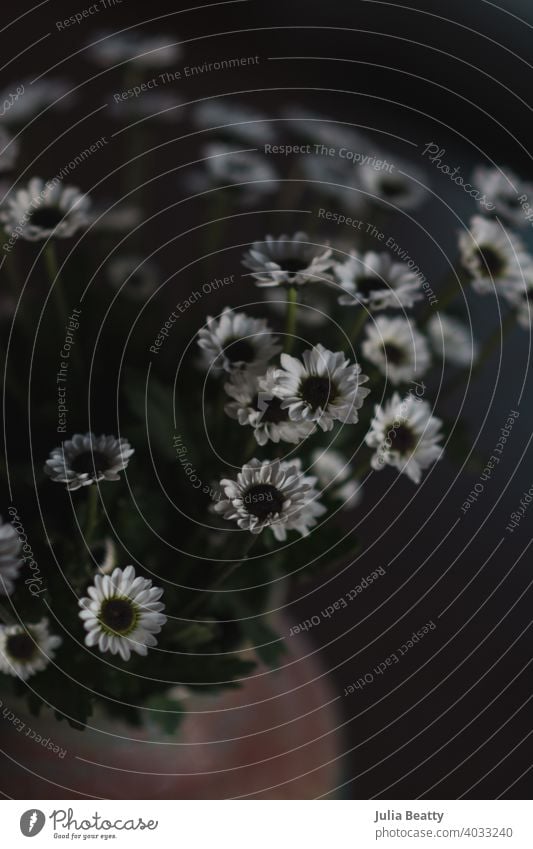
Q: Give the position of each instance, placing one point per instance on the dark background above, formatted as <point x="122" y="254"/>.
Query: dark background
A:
<point x="454" y="718"/>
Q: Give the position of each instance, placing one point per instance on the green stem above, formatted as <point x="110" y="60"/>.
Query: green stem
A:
<point x="290" y="320"/>
<point x="448" y="293"/>
<point x="92" y="514"/>
<point x="499" y="333"/>
<point x="223" y="576"/>
<point x="52" y="269"/>
<point x="251" y="447"/>
<point x="359" y="323"/>
<point x="24" y="319"/>
<point x="230" y="568"/>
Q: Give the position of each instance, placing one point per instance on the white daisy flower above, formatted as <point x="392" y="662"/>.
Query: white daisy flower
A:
<point x="10" y="560"/>
<point x="108" y="48"/>
<point x="452" y="340"/>
<point x="524" y="309"/>
<point x="246" y="170"/>
<point x="288" y="261"/>
<point x="336" y="475"/>
<point x="502" y="188"/>
<point x="375" y="279"/>
<point x="237" y="120"/>
<point x="26" y="650"/>
<point x="521" y="299"/>
<point x="135" y="276"/>
<point x="122" y="613"/>
<point x="23" y="101"/>
<point x="323" y="387"/>
<point x="405" y="435"/>
<point x="254" y="404"/>
<point x="495" y="257"/>
<point x="234" y="340"/>
<point x="403" y="190"/>
<point x="271" y="494"/>
<point x="86" y="459"/>
<point x="45" y="209"/>
<point x="104" y="555"/>
<point x="397" y="348"/>
<point x="9" y="149"/>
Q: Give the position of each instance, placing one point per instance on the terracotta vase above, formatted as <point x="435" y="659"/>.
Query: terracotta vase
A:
<point x="274" y="738"/>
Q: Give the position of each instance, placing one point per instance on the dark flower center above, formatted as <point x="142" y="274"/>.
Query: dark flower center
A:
<point x="392" y="188"/>
<point x="240" y="351"/>
<point x="318" y="392"/>
<point x="490" y="261"/>
<point x="118" y="615"/>
<point x="271" y="412"/>
<point x="89" y="462"/>
<point x="293" y="265"/>
<point x="263" y="500"/>
<point x="366" y="285"/>
<point x="47" y="217"/>
<point x="511" y="202"/>
<point x="394" y="354"/>
<point x="403" y="439"/>
<point x="20" y="646"/>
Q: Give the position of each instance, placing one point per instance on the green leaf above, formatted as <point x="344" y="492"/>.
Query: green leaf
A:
<point x="167" y="713"/>
<point x="321" y="552"/>
<point x="70" y="701"/>
<point x="35" y="704"/>
<point x="153" y="409"/>
<point x="212" y="673"/>
<point x="267" y="644"/>
<point x="193" y="634"/>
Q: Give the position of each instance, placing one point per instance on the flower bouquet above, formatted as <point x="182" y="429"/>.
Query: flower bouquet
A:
<point x="173" y="460"/>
